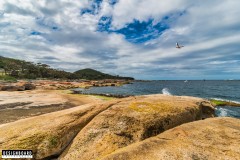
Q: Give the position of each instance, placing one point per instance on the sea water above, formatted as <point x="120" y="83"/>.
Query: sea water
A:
<point x="219" y="90"/>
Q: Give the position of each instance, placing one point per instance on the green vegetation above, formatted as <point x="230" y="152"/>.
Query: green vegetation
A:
<point x="218" y="102"/>
<point x="224" y="103"/>
<point x="96" y="75"/>
<point x="27" y="70"/>
<point x="8" y="78"/>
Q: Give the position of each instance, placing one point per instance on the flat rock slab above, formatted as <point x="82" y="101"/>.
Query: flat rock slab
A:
<point x="18" y="105"/>
<point x="213" y="138"/>
<point x="35" y="98"/>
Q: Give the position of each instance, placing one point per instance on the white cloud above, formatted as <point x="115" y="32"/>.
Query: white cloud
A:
<point x="126" y="11"/>
<point x="209" y="31"/>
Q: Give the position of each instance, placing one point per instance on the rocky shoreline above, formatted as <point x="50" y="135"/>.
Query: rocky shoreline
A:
<point x="65" y="124"/>
<point x="120" y="128"/>
<point x="106" y="95"/>
<point x="22" y="85"/>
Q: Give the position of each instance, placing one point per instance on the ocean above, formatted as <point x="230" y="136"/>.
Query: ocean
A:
<point x="228" y="90"/>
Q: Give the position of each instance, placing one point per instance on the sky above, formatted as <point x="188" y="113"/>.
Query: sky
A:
<point x="126" y="37"/>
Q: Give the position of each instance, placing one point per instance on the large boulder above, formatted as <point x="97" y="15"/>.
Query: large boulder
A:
<point x="132" y="120"/>
<point x="47" y="135"/>
<point x="214" y="138"/>
<point x="29" y="86"/>
<point x="208" y="109"/>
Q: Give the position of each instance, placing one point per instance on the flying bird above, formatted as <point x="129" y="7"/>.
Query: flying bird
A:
<point x="178" y="46"/>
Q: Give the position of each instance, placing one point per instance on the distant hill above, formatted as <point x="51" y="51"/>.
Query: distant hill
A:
<point x="27" y="70"/>
<point x="23" y="69"/>
<point x="96" y="75"/>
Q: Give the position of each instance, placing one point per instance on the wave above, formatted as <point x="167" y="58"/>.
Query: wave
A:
<point x="166" y="91"/>
<point x="222" y="112"/>
<point x="227" y="100"/>
<point x="228" y="112"/>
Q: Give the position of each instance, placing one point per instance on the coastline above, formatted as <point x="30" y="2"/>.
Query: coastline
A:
<point x="101" y="128"/>
<point x="48" y="96"/>
<point x="48" y="121"/>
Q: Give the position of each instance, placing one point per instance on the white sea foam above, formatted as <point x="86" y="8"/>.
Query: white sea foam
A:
<point x="222" y="112"/>
<point x="166" y="91"/>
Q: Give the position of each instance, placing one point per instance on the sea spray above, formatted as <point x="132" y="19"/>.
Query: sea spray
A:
<point x="222" y="112"/>
<point x="166" y="91"/>
<point x="227" y="111"/>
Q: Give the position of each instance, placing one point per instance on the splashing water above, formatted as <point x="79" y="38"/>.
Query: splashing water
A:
<point x="166" y="91"/>
<point x="222" y="112"/>
<point x="227" y="111"/>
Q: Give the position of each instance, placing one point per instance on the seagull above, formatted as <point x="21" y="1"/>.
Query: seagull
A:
<point x="177" y="46"/>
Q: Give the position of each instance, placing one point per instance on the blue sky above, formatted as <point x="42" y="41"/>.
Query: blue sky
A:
<point x="126" y="37"/>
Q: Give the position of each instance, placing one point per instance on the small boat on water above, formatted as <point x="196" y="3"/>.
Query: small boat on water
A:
<point x="185" y="81"/>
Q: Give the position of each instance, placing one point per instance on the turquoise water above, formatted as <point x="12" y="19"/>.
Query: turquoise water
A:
<point x="222" y="90"/>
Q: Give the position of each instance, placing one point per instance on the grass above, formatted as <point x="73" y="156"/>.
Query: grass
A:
<point x="8" y="78"/>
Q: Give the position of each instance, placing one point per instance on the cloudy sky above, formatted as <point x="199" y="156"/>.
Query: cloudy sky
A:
<point x="126" y="37"/>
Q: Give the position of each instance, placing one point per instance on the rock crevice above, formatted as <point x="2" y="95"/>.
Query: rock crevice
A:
<point x="48" y="135"/>
<point x="213" y="138"/>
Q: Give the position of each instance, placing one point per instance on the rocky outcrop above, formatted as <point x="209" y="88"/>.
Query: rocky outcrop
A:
<point x="29" y="86"/>
<point x="208" y="109"/>
<point x="47" y="135"/>
<point x="214" y="138"/>
<point x="96" y="130"/>
<point x="12" y="88"/>
<point x="60" y="84"/>
<point x="17" y="86"/>
<point x="132" y="120"/>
